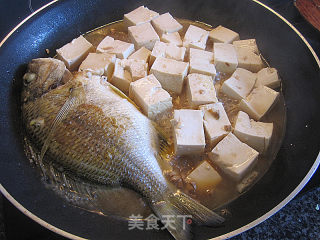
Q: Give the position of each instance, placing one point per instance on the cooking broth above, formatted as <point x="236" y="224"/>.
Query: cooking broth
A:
<point x="106" y="201"/>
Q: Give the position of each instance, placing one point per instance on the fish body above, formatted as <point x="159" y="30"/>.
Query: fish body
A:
<point x="87" y="127"/>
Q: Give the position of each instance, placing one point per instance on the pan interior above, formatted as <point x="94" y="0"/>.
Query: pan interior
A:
<point x="110" y="201"/>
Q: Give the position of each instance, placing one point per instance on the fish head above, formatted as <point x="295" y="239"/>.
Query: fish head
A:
<point x="43" y="75"/>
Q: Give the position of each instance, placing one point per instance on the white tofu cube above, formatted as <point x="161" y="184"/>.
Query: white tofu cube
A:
<point x="159" y="50"/>
<point x="147" y="82"/>
<point x="139" y="16"/>
<point x="205" y="177"/>
<point x="233" y="157"/>
<point x="99" y="64"/>
<point x="73" y="53"/>
<point x="240" y="84"/>
<point x="173" y="38"/>
<point x="170" y="73"/>
<point x="137" y="68"/>
<point x="120" y="48"/>
<point x="202" y="62"/>
<point x="148" y="94"/>
<point x="256" y="134"/>
<point x="258" y="102"/>
<point x="198" y="54"/>
<point x="121" y="77"/>
<point x="248" y="55"/>
<point x="188" y="132"/>
<point x="268" y="77"/>
<point x="167" y="50"/>
<point x="141" y="54"/>
<point x="216" y="122"/>
<point x="202" y="67"/>
<point x="195" y="37"/>
<point x="248" y="44"/>
<point x="249" y="60"/>
<point x="143" y="35"/>
<point x="200" y="90"/>
<point x="225" y="57"/>
<point x="175" y="52"/>
<point x="221" y="34"/>
<point x="165" y="23"/>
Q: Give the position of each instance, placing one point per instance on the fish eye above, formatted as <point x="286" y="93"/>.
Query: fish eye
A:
<point x="37" y="123"/>
<point x="103" y="80"/>
<point x="29" y="77"/>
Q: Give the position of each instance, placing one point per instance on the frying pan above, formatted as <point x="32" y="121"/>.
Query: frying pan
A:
<point x="59" y="22"/>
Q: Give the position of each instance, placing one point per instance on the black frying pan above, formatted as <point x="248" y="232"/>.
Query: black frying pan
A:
<point x="62" y="21"/>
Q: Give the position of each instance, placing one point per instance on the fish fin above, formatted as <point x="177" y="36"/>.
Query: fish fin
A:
<point x="180" y="207"/>
<point x="76" y="98"/>
<point x="95" y="197"/>
<point x="164" y="146"/>
<point x="173" y="220"/>
<point x="200" y="214"/>
<point x="165" y="150"/>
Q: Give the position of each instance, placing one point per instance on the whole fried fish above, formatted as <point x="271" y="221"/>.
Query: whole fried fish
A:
<point x="92" y="130"/>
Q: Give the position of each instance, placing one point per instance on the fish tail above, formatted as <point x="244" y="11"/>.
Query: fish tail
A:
<point x="177" y="211"/>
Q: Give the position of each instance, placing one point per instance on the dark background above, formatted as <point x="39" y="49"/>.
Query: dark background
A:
<point x="285" y="224"/>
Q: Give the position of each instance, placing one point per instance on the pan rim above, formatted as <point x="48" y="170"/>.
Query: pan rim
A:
<point x="227" y="235"/>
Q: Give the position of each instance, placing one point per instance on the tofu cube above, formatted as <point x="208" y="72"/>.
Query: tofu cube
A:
<point x="195" y="37"/>
<point x="121" y="77"/>
<point x="205" y="177"/>
<point x="221" y="34"/>
<point x="240" y="84"/>
<point x="216" y="123"/>
<point x="248" y="55"/>
<point x="233" y="157"/>
<point x="141" y="54"/>
<point x="137" y="68"/>
<point x="139" y="16"/>
<point x="225" y="57"/>
<point x="256" y="134"/>
<point x="258" y="102"/>
<point x="188" y="132"/>
<point x="143" y="35"/>
<point x="200" y="90"/>
<point x="148" y="94"/>
<point x="201" y="62"/>
<point x="248" y="44"/>
<point x="170" y="73"/>
<point x="198" y="54"/>
<point x="99" y="64"/>
<point x="165" y="23"/>
<point x="202" y="67"/>
<point x="73" y="53"/>
<point x="167" y="50"/>
<point x="121" y="49"/>
<point x="268" y="77"/>
<point x="159" y="50"/>
<point x="175" y="52"/>
<point x="173" y="38"/>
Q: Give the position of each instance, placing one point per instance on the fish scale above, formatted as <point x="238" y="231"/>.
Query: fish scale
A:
<point x="80" y="124"/>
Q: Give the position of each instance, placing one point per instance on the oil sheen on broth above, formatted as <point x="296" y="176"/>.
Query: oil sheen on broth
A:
<point x="107" y="201"/>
